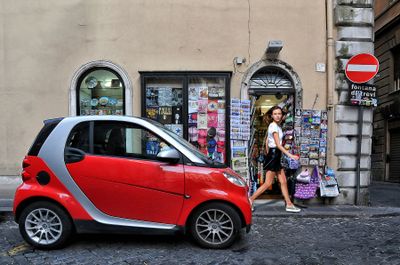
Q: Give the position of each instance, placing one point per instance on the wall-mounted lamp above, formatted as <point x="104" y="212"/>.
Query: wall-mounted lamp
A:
<point x="273" y="48"/>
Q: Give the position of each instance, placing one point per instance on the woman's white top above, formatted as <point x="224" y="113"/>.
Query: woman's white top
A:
<point x="273" y="127"/>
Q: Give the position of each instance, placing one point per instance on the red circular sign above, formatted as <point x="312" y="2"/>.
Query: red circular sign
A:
<point x="361" y="68"/>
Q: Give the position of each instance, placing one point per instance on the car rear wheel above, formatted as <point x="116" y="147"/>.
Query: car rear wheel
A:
<point x="45" y="225"/>
<point x="215" y="225"/>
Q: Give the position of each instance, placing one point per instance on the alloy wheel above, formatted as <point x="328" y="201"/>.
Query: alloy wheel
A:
<point x="214" y="226"/>
<point x="43" y="226"/>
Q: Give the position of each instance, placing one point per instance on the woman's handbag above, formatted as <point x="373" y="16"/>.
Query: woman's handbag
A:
<point x="304" y="176"/>
<point x="306" y="191"/>
<point x="292" y="163"/>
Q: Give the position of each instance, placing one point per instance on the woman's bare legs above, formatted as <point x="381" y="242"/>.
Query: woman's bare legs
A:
<point x="284" y="188"/>
<point x="268" y="182"/>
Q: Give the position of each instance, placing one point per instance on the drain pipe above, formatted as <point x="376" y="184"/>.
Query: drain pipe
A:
<point x="330" y="86"/>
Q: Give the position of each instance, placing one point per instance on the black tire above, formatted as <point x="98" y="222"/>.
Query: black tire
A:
<point x="55" y="229"/>
<point x="215" y="234"/>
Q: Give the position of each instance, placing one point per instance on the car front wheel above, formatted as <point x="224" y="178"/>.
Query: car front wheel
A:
<point x="45" y="225"/>
<point x="215" y="225"/>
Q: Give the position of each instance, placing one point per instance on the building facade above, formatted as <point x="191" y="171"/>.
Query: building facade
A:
<point x="386" y="137"/>
<point x="131" y="57"/>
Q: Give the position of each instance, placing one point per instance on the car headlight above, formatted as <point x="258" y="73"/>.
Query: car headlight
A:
<point x="235" y="180"/>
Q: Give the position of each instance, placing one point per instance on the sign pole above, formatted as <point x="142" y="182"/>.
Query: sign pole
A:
<point x="358" y="160"/>
<point x="360" y="69"/>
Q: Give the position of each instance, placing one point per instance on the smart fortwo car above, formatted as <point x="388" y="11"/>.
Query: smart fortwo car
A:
<point x="125" y="174"/>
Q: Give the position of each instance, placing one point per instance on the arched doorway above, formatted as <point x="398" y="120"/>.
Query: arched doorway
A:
<point x="100" y="88"/>
<point x="266" y="84"/>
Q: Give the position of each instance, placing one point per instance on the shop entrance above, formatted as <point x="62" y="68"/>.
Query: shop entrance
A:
<point x="269" y="87"/>
<point x="257" y="147"/>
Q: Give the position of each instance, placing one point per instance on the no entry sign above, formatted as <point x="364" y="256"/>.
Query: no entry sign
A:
<point x="361" y="68"/>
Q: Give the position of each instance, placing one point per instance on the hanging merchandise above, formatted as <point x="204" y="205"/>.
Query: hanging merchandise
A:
<point x="239" y="158"/>
<point x="304" y="176"/>
<point x="328" y="184"/>
<point x="311" y="129"/>
<point x="306" y="191"/>
<point x="240" y="133"/>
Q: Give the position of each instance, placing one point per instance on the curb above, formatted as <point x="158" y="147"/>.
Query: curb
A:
<point x="323" y="216"/>
<point x="335" y="213"/>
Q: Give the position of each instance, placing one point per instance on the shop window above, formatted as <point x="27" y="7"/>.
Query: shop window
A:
<point x="100" y="92"/>
<point x="192" y="105"/>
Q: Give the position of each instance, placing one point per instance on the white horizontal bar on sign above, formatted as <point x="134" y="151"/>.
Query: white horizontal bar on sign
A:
<point x="361" y="68"/>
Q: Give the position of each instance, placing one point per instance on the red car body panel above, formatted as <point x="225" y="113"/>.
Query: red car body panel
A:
<point x="156" y="194"/>
<point x="131" y="188"/>
<point x="55" y="190"/>
<point x="208" y="184"/>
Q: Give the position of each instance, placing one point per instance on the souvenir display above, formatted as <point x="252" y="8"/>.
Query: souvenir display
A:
<point x="312" y="127"/>
<point x="239" y="158"/>
<point x="240" y="119"/>
<point x="95" y="99"/>
<point x="164" y="104"/>
<point x="197" y="114"/>
<point x="240" y="133"/>
<point x="206" y="108"/>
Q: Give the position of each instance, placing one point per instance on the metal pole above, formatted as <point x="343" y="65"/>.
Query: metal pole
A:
<point x="358" y="161"/>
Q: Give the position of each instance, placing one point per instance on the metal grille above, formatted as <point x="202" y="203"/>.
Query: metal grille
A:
<point x="394" y="165"/>
<point x="271" y="79"/>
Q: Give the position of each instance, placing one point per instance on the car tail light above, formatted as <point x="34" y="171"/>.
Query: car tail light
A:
<point x="25" y="175"/>
<point x="25" y="163"/>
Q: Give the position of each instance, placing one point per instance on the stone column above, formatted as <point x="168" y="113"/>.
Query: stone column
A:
<point x="354" y="20"/>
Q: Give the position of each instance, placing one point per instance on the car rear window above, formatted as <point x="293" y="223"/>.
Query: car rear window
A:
<point x="48" y="127"/>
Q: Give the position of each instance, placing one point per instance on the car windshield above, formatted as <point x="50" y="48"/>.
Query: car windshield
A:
<point x="188" y="145"/>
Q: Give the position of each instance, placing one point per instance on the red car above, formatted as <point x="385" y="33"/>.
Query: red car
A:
<point x="96" y="174"/>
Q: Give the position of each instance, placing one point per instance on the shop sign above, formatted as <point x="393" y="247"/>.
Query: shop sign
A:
<point x="363" y="95"/>
<point x="361" y="68"/>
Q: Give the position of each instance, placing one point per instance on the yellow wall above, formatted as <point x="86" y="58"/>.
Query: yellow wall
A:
<point x="43" y="43"/>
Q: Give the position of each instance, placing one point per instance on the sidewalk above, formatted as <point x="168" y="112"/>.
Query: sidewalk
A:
<point x="384" y="199"/>
<point x="276" y="208"/>
<point x="8" y="185"/>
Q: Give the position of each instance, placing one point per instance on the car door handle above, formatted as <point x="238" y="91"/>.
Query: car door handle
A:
<point x="73" y="155"/>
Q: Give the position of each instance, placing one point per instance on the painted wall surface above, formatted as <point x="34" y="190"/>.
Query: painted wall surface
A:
<point x="43" y="43"/>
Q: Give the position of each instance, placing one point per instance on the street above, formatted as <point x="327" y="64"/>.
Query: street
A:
<point x="271" y="241"/>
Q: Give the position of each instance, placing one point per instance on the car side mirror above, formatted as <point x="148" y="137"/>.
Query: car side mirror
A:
<point x="171" y="156"/>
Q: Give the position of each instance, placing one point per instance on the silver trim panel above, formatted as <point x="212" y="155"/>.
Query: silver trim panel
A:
<point x="52" y="152"/>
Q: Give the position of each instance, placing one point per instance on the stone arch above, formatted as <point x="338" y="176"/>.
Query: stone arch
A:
<point x="286" y="68"/>
<point x="105" y="64"/>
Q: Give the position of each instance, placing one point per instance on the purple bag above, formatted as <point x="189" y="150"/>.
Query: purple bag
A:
<point x="306" y="191"/>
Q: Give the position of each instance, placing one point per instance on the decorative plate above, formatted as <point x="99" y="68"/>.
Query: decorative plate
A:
<point x="91" y="82"/>
<point x="103" y="101"/>
<point x="94" y="102"/>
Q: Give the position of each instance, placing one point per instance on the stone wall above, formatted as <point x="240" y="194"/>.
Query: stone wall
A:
<point x="354" y="20"/>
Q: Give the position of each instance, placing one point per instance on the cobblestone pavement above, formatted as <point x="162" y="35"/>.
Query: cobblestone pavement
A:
<point x="271" y="241"/>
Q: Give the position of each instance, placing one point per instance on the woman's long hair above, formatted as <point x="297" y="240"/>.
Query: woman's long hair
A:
<point x="268" y="116"/>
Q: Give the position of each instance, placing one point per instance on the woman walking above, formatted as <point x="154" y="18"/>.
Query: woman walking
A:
<point x="272" y="164"/>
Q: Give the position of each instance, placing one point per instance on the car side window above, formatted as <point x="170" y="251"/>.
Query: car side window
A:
<point x="126" y="140"/>
<point x="79" y="137"/>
